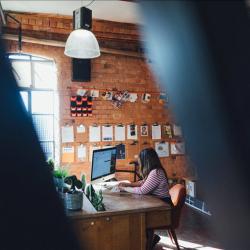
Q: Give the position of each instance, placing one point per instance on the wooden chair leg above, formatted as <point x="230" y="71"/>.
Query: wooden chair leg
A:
<point x="170" y="236"/>
<point x="150" y="239"/>
<point x="175" y="239"/>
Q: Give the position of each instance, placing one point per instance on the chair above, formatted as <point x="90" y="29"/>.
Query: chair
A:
<point x="178" y="196"/>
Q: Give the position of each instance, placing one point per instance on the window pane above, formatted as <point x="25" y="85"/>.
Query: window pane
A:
<point x="44" y="127"/>
<point x="42" y="102"/>
<point x="22" y="73"/>
<point x="48" y="149"/>
<point x="45" y="75"/>
<point x="24" y="96"/>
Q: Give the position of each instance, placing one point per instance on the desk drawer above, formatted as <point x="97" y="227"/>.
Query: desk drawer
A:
<point x="158" y="219"/>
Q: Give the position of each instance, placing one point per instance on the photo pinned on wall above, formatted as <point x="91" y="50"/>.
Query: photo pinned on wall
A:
<point x="146" y="98"/>
<point x="119" y="98"/>
<point x="107" y="95"/>
<point x="167" y="130"/>
<point x="132" y="132"/>
<point x="144" y="130"/>
<point x="178" y="148"/>
<point x="162" y="149"/>
<point x="163" y="98"/>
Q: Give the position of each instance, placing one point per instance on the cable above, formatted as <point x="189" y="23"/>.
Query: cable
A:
<point x="89" y="3"/>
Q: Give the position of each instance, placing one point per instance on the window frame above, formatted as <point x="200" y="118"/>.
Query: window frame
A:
<point x="33" y="59"/>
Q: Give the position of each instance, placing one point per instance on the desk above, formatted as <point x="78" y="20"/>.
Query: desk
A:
<point x="123" y="225"/>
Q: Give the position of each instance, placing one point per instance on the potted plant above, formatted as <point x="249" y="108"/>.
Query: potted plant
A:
<point x="74" y="198"/>
<point x="51" y="164"/>
<point x="94" y="198"/>
<point x="59" y="174"/>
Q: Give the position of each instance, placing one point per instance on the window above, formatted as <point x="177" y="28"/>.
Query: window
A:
<point x="36" y="77"/>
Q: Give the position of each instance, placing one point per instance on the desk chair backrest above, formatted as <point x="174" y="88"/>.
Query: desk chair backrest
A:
<point x="178" y="196"/>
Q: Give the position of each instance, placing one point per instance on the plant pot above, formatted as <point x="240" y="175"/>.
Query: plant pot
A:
<point x="60" y="183"/>
<point x="74" y="201"/>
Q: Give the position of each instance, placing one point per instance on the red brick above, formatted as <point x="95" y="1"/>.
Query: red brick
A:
<point x="107" y="72"/>
<point x="32" y="21"/>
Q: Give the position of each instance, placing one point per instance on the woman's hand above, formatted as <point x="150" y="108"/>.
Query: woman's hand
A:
<point x="123" y="184"/>
<point x="121" y="188"/>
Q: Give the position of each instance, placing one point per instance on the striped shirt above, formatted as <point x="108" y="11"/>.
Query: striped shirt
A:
<point x="156" y="184"/>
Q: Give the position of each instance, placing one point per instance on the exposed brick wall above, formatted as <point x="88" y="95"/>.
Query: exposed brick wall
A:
<point x="108" y="72"/>
<point x="109" y="34"/>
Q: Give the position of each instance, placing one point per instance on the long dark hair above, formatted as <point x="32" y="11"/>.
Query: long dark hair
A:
<point x="149" y="160"/>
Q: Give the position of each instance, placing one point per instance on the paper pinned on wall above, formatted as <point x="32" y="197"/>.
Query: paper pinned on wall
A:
<point x="107" y="146"/>
<point x="80" y="129"/>
<point x="162" y="149"/>
<point x="177" y="148"/>
<point x="94" y="134"/>
<point x="94" y="93"/>
<point x="81" y="152"/>
<point x="132" y="133"/>
<point x="156" y="132"/>
<point x="133" y="97"/>
<point x="107" y="133"/>
<point x="119" y="133"/>
<point x="67" y="134"/>
<point x="177" y="130"/>
<point x="68" y="154"/>
<point x="81" y="92"/>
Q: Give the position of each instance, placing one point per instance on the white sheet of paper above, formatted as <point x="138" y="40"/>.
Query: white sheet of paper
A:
<point x="133" y="97"/>
<point x="91" y="149"/>
<point x="119" y="133"/>
<point x="81" y="92"/>
<point x="107" y="133"/>
<point x="67" y="134"/>
<point x="156" y="132"/>
<point x="177" y="130"/>
<point x="81" y="152"/>
<point x="178" y="148"/>
<point x="94" y="93"/>
<point x="94" y="134"/>
<point x="81" y="129"/>
<point x="110" y="146"/>
<point x="129" y="136"/>
<point x="67" y="150"/>
<point x="162" y="149"/>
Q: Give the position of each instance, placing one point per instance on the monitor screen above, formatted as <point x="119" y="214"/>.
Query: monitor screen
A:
<point x="103" y="165"/>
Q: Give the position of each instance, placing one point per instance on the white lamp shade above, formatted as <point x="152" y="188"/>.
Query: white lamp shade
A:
<point x="82" y="44"/>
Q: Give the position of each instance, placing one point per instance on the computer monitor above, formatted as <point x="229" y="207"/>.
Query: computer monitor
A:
<point x="103" y="165"/>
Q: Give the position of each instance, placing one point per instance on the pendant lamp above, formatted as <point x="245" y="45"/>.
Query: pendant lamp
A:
<point x="82" y="43"/>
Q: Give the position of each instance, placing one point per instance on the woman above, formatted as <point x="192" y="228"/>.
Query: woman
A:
<point x="155" y="180"/>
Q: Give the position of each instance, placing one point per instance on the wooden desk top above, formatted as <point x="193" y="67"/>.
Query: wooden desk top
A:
<point x="117" y="205"/>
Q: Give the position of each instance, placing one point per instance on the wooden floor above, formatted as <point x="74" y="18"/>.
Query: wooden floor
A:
<point x="195" y="232"/>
